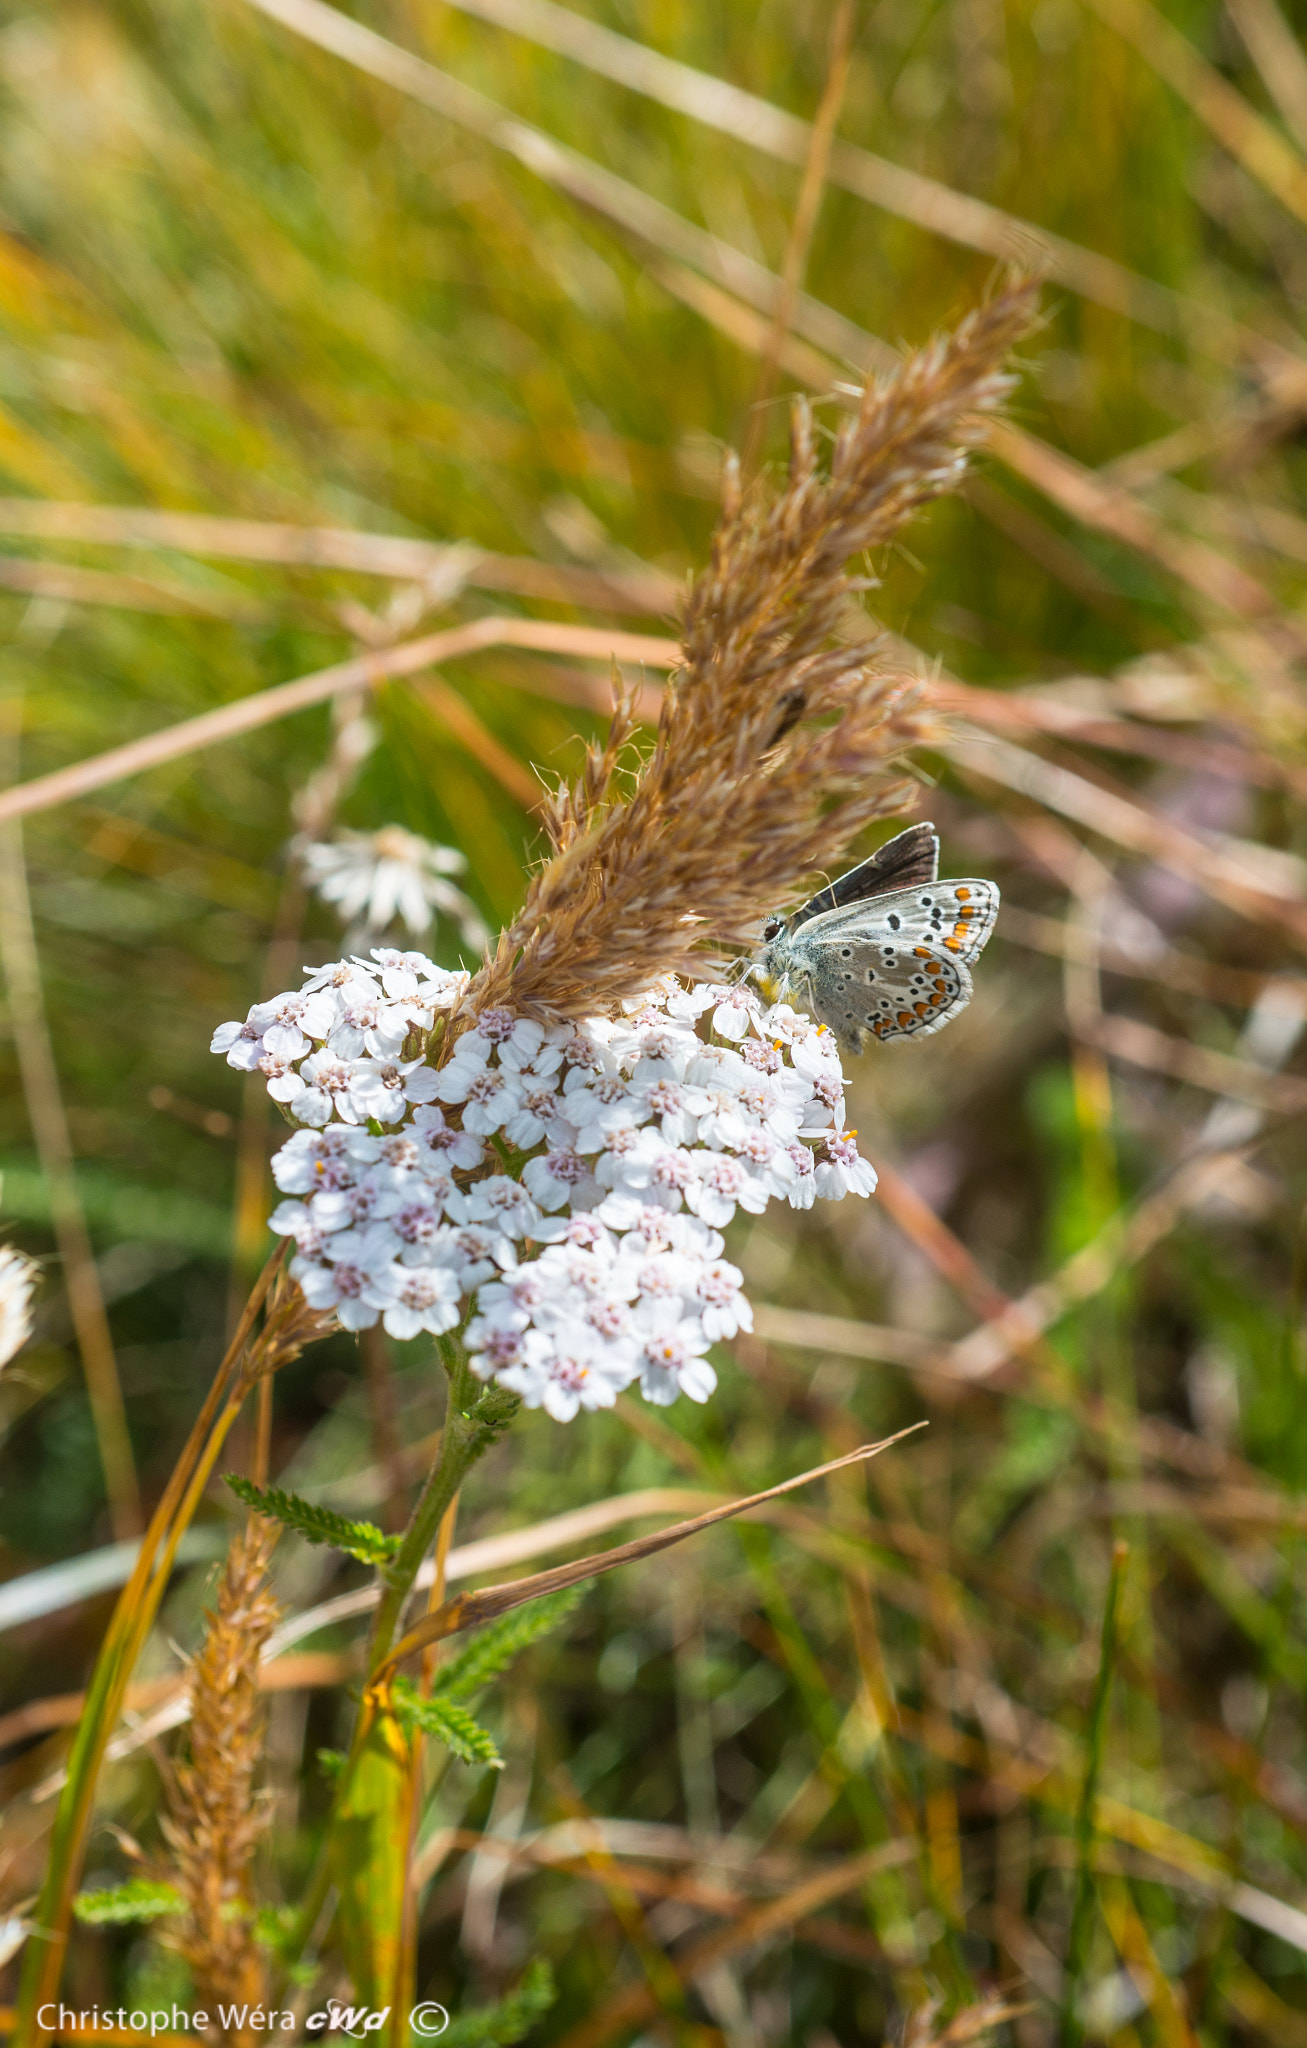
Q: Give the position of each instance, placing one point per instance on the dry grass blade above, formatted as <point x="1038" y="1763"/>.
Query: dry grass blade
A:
<point x="1237" y="126"/>
<point x="44" y="1100"/>
<point x="725" y="270"/>
<point x="798" y="245"/>
<point x="1110" y="508"/>
<point x="590" y="184"/>
<point x="365" y="671"/>
<point x="1126" y="823"/>
<point x="1278" y="55"/>
<point x="1141" y="1045"/>
<point x="929" y="204"/>
<point x="328" y="547"/>
<point x="215" y="1819"/>
<point x="627" y="2008"/>
<point x="925" y="2029"/>
<point x="470" y="1609"/>
<point x="70" y="585"/>
<point x="766" y="722"/>
<point x="278" y="1672"/>
<point x="286" y="1674"/>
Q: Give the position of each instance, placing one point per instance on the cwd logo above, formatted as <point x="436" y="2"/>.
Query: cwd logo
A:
<point x="344" y="2019"/>
<point x="428" y="2021"/>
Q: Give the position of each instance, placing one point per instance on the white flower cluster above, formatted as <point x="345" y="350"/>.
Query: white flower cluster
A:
<point x="560" y="1190"/>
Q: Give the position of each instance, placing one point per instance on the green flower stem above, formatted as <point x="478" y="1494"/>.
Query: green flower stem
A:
<point x="474" y="1419"/>
<point x="461" y="1444"/>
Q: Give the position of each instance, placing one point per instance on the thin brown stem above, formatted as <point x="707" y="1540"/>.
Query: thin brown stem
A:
<point x="794" y="264"/>
<point x="262" y="1455"/>
<point x="49" y="1122"/>
<point x="365" y="671"/>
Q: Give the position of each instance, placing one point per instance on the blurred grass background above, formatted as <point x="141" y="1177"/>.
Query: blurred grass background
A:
<point x="242" y="278"/>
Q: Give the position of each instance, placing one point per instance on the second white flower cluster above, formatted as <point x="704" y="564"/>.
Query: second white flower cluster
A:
<point x="560" y="1190"/>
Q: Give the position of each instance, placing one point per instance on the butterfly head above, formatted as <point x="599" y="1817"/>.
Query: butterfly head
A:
<point x="771" y="969"/>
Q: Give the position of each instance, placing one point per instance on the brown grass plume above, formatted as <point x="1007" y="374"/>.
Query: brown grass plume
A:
<point x="775" y="746"/>
<point x="216" y="1817"/>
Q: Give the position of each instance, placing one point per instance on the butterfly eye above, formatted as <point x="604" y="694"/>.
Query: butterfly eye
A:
<point x="773" y="928"/>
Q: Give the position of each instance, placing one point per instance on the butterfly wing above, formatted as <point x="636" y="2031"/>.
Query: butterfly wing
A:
<point x="896" y="966"/>
<point x="902" y="863"/>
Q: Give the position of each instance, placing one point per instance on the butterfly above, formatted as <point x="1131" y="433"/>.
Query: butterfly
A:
<point x="884" y="950"/>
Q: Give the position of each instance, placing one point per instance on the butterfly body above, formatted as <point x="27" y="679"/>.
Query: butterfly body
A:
<point x="883" y="952"/>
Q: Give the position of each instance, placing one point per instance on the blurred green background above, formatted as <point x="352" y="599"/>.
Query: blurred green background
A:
<point x="240" y="277"/>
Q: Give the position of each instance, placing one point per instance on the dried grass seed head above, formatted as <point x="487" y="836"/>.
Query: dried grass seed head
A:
<point x="775" y="748"/>
<point x="216" y="1820"/>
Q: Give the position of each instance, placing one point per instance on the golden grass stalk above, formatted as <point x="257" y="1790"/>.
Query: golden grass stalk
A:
<point x="775" y="747"/>
<point x="289" y="1324"/>
<point x="215" y="1817"/>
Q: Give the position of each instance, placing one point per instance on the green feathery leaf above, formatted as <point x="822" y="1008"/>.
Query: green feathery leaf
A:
<point x="492" y="1414"/>
<point x="500" y="2025"/>
<point x="320" y="1525"/>
<point x="495" y="1647"/>
<point x="450" y="1724"/>
<point x="141" y="1898"/>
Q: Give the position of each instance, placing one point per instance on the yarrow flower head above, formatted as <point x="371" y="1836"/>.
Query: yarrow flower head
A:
<point x="391" y="876"/>
<point x="559" y="1191"/>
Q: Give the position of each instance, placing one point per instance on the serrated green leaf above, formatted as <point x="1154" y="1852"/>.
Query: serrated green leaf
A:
<point x="492" y="1414"/>
<point x="141" y="1898"/>
<point x="450" y="1724"/>
<point x="495" y="1647"/>
<point x="500" y="2025"/>
<point x="319" y="1525"/>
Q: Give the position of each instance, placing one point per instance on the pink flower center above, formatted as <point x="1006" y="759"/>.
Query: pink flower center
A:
<point x="668" y="1352"/>
<point x="503" y="1347"/>
<point x="766" y="1057"/>
<point x="608" y="1317"/>
<point x="496" y="1025"/>
<point x="566" y="1166"/>
<point x="673" y="1170"/>
<point x="724" y="1176"/>
<point x="416" y="1225"/>
<point x="717" y="1285"/>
